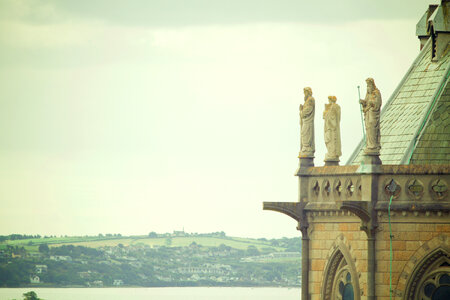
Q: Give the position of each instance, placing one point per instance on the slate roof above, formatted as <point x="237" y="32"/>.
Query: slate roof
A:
<point x="434" y="145"/>
<point x="415" y="121"/>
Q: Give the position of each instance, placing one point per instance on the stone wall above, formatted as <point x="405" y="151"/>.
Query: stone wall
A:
<point x="414" y="238"/>
<point x="331" y="233"/>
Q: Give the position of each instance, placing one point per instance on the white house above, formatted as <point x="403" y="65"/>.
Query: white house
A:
<point x="40" y="269"/>
<point x="34" y="279"/>
<point x="118" y="282"/>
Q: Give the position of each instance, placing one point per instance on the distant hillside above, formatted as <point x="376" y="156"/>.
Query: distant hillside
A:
<point x="181" y="239"/>
<point x="177" y="259"/>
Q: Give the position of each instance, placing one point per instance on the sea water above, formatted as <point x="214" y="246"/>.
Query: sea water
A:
<point x="178" y="293"/>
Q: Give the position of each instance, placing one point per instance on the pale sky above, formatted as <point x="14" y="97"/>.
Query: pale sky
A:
<point x="137" y="116"/>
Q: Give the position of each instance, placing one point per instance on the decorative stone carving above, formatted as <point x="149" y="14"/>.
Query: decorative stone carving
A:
<point x="349" y="187"/>
<point x="359" y="187"/>
<point x="337" y="187"/>
<point x="316" y="189"/>
<point x="332" y="131"/>
<point x="392" y="188"/>
<point x="307" y="147"/>
<point x="326" y="188"/>
<point x="371" y="109"/>
<point x="414" y="189"/>
<point x="438" y="189"/>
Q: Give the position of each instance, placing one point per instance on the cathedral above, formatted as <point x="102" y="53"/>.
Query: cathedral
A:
<point x="378" y="227"/>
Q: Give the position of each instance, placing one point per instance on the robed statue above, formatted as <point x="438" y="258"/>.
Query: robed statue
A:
<point x="307" y="109"/>
<point x="371" y="108"/>
<point x="332" y="131"/>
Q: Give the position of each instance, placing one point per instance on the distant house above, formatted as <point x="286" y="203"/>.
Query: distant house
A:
<point x="271" y="256"/>
<point x="39" y="269"/>
<point x="97" y="283"/>
<point x="35" y="279"/>
<point x="164" y="278"/>
<point x="178" y="233"/>
<point x="118" y="282"/>
<point x="205" y="269"/>
<point x="285" y="254"/>
<point x="34" y="254"/>
<point x="60" y="258"/>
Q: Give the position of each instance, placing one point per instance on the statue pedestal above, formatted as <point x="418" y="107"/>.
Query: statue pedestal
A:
<point x="371" y="159"/>
<point x="370" y="164"/>
<point x="306" y="161"/>
<point x="331" y="162"/>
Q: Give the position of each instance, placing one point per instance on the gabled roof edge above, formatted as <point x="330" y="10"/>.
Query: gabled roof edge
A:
<point x="391" y="98"/>
<point x="439" y="89"/>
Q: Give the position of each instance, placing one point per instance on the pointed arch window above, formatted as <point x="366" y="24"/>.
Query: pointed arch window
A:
<point x="343" y="286"/>
<point x="432" y="278"/>
<point x="436" y="285"/>
<point x="340" y="282"/>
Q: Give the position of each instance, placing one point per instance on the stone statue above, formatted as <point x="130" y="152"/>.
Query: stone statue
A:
<point x="371" y="109"/>
<point x="332" y="117"/>
<point x="307" y="146"/>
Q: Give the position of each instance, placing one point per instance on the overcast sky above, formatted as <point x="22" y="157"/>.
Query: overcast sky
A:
<point x="137" y="116"/>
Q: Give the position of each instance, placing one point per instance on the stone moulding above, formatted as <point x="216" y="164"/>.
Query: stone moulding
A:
<point x="292" y="209"/>
<point x="359" y="208"/>
<point x="332" y="188"/>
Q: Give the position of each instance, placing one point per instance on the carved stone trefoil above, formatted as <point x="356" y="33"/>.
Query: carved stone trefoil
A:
<point x="332" y="131"/>
<point x="371" y="109"/>
<point x="307" y="109"/>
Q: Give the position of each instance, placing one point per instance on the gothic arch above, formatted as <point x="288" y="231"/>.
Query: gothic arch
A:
<point x="340" y="276"/>
<point x="431" y="273"/>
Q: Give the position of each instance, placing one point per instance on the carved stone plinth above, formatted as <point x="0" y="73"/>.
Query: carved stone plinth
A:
<point x="331" y="162"/>
<point x="371" y="159"/>
<point x="306" y="161"/>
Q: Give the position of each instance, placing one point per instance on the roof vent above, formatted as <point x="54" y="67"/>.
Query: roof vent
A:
<point x="435" y="23"/>
<point x="421" y="27"/>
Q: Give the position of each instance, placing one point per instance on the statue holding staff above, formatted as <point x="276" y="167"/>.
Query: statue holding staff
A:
<point x="332" y="131"/>
<point x="371" y="108"/>
<point x="307" y="147"/>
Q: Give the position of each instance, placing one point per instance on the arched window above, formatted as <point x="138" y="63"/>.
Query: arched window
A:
<point x="342" y="285"/>
<point x="340" y="282"/>
<point x="431" y="280"/>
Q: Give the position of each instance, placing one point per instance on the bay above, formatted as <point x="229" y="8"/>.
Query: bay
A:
<point x="179" y="293"/>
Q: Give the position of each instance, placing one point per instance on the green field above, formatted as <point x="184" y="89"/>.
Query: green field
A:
<point x="95" y="242"/>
